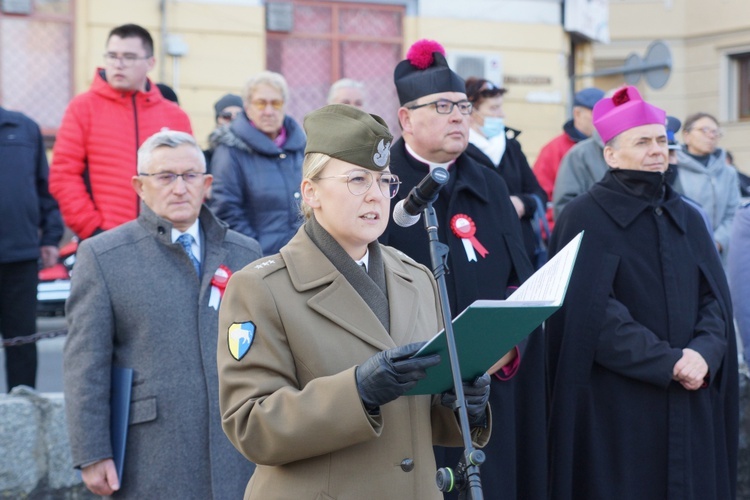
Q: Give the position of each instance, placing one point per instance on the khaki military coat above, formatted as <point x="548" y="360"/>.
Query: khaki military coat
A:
<point x="291" y="403"/>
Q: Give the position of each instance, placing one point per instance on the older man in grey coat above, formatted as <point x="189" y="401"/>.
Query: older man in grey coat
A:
<point x="145" y="296"/>
<point x="581" y="167"/>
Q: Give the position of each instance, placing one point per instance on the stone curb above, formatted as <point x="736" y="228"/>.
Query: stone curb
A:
<point x="36" y="462"/>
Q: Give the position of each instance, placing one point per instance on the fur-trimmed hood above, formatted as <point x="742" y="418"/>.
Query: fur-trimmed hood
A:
<point x="241" y="134"/>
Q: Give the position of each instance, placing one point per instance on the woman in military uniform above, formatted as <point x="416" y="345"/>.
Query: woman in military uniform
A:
<point x="319" y="337"/>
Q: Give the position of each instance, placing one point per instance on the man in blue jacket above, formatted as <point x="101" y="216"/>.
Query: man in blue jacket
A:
<point x="30" y="228"/>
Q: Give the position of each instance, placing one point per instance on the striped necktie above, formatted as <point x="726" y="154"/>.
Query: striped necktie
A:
<point x="186" y="241"/>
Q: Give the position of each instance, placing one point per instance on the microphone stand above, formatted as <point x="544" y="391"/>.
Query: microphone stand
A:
<point x="466" y="477"/>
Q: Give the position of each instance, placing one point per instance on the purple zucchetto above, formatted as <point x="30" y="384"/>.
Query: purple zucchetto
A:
<point x="625" y="110"/>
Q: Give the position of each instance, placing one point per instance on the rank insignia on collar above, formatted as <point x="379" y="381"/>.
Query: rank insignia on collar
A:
<point x="240" y="337"/>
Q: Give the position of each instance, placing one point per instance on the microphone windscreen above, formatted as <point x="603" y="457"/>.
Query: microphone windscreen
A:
<point x="401" y="217"/>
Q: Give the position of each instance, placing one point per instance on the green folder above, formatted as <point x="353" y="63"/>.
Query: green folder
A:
<point x="488" y="329"/>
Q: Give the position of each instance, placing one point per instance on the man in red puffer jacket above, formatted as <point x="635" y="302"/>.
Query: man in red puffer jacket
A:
<point x="576" y="129"/>
<point x="94" y="157"/>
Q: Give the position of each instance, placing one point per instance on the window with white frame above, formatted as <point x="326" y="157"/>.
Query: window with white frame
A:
<point x="742" y="62"/>
<point x="738" y="86"/>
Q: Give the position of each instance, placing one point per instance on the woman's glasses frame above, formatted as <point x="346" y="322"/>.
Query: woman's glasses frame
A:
<point x="359" y="181"/>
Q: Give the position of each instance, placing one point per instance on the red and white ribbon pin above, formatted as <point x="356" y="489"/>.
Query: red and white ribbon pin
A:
<point x="463" y="227"/>
<point x="218" y="285"/>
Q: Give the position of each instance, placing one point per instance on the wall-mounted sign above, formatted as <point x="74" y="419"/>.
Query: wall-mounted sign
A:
<point x="656" y="67"/>
<point x="527" y="80"/>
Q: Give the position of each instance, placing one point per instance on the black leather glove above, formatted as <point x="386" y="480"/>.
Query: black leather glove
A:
<point x="476" y="394"/>
<point x="389" y="374"/>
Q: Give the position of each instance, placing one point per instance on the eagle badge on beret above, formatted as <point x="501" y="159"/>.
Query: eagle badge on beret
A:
<point x="384" y="152"/>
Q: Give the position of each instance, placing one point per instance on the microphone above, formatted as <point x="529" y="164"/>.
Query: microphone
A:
<point x="407" y="211"/>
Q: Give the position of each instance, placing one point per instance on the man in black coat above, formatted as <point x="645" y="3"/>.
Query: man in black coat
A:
<point x="30" y="229"/>
<point x="643" y="361"/>
<point x="484" y="261"/>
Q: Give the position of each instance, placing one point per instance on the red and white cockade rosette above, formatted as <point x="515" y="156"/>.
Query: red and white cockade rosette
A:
<point x="218" y="285"/>
<point x="463" y="226"/>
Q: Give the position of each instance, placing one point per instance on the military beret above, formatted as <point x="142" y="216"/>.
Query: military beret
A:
<point x="349" y="134"/>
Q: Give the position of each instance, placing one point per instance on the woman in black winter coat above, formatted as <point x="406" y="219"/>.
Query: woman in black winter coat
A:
<point x="495" y="146"/>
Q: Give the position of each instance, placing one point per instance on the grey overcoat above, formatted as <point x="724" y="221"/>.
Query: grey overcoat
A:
<point x="136" y="302"/>
<point x="581" y="167"/>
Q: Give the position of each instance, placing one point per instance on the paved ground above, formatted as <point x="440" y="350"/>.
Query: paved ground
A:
<point x="49" y="372"/>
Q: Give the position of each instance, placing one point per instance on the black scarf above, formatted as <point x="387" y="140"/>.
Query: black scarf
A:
<point x="370" y="285"/>
<point x="645" y="185"/>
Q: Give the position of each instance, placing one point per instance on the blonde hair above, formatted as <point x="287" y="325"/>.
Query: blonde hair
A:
<point x="312" y="166"/>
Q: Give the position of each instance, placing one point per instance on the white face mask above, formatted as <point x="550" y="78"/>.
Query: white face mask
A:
<point x="493" y="126"/>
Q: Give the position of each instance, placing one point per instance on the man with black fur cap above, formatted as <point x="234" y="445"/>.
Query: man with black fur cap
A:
<point x="484" y="262"/>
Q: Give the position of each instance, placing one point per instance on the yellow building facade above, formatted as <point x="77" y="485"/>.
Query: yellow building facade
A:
<point x="225" y="42"/>
<point x="709" y="44"/>
<point x="206" y="48"/>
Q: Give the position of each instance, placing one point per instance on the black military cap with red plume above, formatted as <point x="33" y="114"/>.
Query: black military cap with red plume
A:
<point x="425" y="71"/>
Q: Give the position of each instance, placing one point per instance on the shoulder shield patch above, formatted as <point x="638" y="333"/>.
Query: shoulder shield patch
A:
<point x="240" y="337"/>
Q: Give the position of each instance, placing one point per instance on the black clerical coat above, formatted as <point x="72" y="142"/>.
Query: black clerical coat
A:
<point x="516" y="463"/>
<point x="647" y="283"/>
